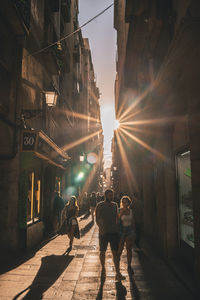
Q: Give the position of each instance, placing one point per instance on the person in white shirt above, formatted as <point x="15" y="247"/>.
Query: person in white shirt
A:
<point x="127" y="229"/>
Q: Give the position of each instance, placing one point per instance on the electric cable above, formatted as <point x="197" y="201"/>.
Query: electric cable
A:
<point x="72" y="33"/>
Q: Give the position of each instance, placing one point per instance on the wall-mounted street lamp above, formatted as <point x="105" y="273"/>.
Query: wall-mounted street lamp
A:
<point x="51" y="95"/>
<point x="81" y="157"/>
<point x="114" y="168"/>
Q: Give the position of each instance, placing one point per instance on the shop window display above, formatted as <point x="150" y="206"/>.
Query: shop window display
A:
<point x="186" y="227"/>
<point x="58" y="185"/>
<point x="33" y="199"/>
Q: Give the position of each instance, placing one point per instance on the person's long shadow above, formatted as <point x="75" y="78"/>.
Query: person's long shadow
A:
<point x="50" y="270"/>
<point x="14" y="262"/>
<point x="134" y="289"/>
<point x="87" y="228"/>
<point x="100" y="291"/>
<point x="121" y="291"/>
<point x="86" y="216"/>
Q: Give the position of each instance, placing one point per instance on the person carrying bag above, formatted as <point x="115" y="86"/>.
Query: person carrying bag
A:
<point x="70" y="224"/>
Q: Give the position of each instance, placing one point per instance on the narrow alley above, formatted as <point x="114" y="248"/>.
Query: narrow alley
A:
<point x="99" y="97"/>
<point x="51" y="273"/>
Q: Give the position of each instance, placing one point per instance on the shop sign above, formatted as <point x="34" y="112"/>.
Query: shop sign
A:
<point x="28" y="141"/>
<point x="42" y="146"/>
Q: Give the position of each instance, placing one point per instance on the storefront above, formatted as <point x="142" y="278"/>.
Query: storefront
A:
<point x="185" y="207"/>
<point x="42" y="168"/>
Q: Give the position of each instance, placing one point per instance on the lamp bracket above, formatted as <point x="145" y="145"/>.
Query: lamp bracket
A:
<point x="30" y="113"/>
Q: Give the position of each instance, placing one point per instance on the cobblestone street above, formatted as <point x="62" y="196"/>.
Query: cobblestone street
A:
<point x="52" y="273"/>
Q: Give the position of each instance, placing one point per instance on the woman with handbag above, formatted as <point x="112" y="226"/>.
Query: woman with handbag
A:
<point x="71" y="222"/>
<point x="127" y="229"/>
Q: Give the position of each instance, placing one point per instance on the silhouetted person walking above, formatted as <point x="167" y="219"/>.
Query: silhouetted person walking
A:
<point x="107" y="221"/>
<point x="58" y="206"/>
<point x="93" y="202"/>
<point x="71" y="213"/>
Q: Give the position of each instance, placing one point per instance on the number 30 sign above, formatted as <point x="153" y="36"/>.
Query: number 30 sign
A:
<point x="28" y="141"/>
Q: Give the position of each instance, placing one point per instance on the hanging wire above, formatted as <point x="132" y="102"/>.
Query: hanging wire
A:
<point x="72" y="33"/>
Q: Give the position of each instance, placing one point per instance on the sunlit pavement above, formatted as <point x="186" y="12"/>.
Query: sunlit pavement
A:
<point x="53" y="274"/>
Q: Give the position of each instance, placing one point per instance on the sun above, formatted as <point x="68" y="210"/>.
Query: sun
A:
<point x="116" y="124"/>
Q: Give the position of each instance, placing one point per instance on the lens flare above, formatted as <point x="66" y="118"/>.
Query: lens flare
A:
<point x="70" y="191"/>
<point x="79" y="177"/>
<point x="92" y="158"/>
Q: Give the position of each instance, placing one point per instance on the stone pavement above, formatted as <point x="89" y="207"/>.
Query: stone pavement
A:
<point x="52" y="273"/>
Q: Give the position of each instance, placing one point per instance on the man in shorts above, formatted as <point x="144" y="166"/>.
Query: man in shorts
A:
<point x="107" y="221"/>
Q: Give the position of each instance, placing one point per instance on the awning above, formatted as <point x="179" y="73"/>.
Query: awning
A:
<point x="43" y="147"/>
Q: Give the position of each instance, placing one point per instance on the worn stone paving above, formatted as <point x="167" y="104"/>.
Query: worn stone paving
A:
<point x="51" y="273"/>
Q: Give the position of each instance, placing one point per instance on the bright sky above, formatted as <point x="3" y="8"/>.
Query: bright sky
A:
<point x="102" y="39"/>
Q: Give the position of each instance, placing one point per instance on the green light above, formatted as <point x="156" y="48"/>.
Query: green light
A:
<point x="80" y="175"/>
<point x="188" y="173"/>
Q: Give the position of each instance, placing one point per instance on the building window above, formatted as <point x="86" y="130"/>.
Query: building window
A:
<point x="58" y="185"/>
<point x="185" y="206"/>
<point x="37" y="199"/>
<point x="33" y="200"/>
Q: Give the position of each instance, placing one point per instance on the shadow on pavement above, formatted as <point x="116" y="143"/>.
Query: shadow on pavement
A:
<point x="85" y="229"/>
<point x="152" y="275"/>
<point x="161" y="283"/>
<point x="50" y="270"/>
<point x="121" y="291"/>
<point x="67" y="251"/>
<point x="133" y="287"/>
<point x="86" y="216"/>
<point x="100" y="291"/>
<point x="12" y="262"/>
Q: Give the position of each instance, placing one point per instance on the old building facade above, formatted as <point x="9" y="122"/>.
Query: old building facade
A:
<point x="43" y="102"/>
<point x="157" y="105"/>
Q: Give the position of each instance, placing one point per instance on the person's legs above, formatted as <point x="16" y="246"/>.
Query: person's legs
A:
<point x="129" y="243"/>
<point x="114" y="244"/>
<point x="59" y="219"/>
<point x="120" y="249"/>
<point x="103" y="243"/>
<point x="55" y="222"/>
<point x="71" y="235"/>
<point x="102" y="259"/>
<point x="121" y="246"/>
<point x="129" y="246"/>
<point x="92" y="209"/>
<point x="116" y="260"/>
